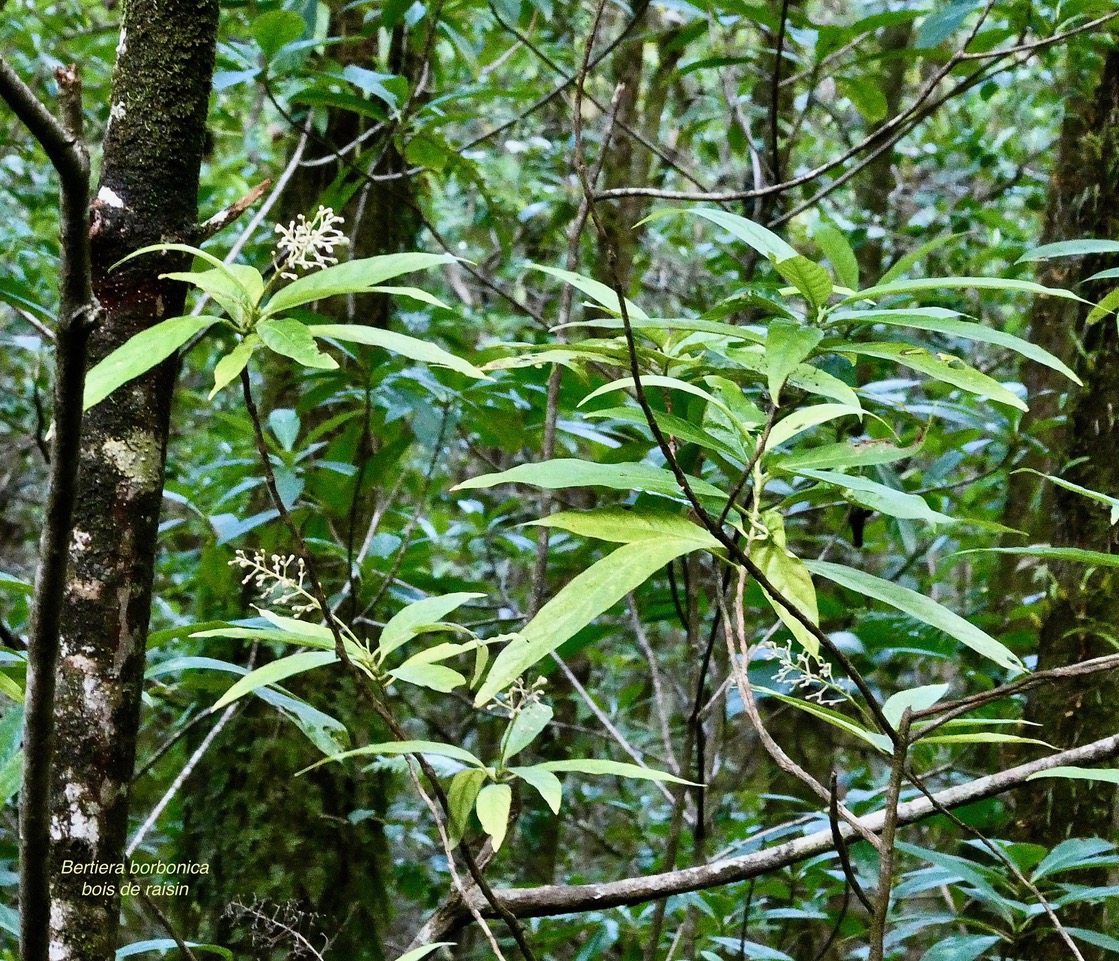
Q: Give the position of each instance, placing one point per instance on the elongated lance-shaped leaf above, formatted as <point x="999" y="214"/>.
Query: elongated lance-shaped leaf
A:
<point x="566" y="472"/>
<point x="586" y="597"/>
<point x="140" y="354"/>
<point x="787" y="345"/>
<point x="603" y="295"/>
<point x="763" y="240"/>
<point x="624" y="526"/>
<point x="922" y="608"/>
<point x="411" y="347"/>
<point x="942" y="321"/>
<point x="417" y="617"/>
<point x="275" y="672"/>
<point x="1069" y="248"/>
<point x="926" y="284"/>
<point x="397" y="748"/>
<point x="606" y="768"/>
<point x="352" y="277"/>
<point x="292" y="339"/>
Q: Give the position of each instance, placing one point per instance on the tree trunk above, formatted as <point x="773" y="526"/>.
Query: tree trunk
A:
<point x="148" y="194"/>
<point x="1084" y="611"/>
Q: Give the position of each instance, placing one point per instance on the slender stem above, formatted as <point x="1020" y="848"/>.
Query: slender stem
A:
<point x="886" y="855"/>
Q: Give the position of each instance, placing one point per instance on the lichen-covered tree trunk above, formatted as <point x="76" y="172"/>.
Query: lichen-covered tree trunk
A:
<point x="148" y="194"/>
<point x="1084" y="612"/>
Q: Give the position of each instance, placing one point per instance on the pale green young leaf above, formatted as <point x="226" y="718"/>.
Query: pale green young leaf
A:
<point x="236" y="287"/>
<point x="600" y="767"/>
<point x="942" y="321"/>
<point x="564" y="472"/>
<point x="926" y="284"/>
<point x="352" y="277"/>
<point x="492" y="805"/>
<point x="547" y="785"/>
<point x="294" y="626"/>
<point x="805" y="418"/>
<point x="434" y="677"/>
<point x="816" y="381"/>
<point x="763" y="240"/>
<point x="904" y="263"/>
<point x="808" y="277"/>
<point x="293" y="339"/>
<point x="918" y="606"/>
<point x="671" y="425"/>
<point x="950" y="370"/>
<point x="414" y="293"/>
<point x="624" y="526"/>
<point x="415" y="618"/>
<point x="524" y="729"/>
<point x="1108" y="305"/>
<point x="397" y="748"/>
<point x="790" y="578"/>
<point x="787" y="346"/>
<point x="984" y="737"/>
<point x="915" y="699"/>
<point x="1069" y="248"/>
<point x="879" y="741"/>
<point x="1074" y="555"/>
<point x="182" y="249"/>
<point x="411" y="347"/>
<point x="461" y="795"/>
<point x="836" y="248"/>
<point x="275" y="672"/>
<point x="230" y="366"/>
<point x="856" y="453"/>
<point x="602" y="294"/>
<point x="140" y="354"/>
<point x="1102" y="774"/>
<point x="657" y="380"/>
<point x="879" y="497"/>
<point x="579" y="602"/>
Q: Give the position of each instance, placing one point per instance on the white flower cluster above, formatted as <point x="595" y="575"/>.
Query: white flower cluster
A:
<point x="806" y="671"/>
<point x="275" y="579"/>
<point x="308" y="244"/>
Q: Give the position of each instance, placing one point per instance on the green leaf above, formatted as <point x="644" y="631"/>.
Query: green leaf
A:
<point x="14" y="585"/>
<point x="1095" y="938"/>
<point x="951" y="371"/>
<point x="597" y="766"/>
<point x="1108" y="305"/>
<point x="920" y="607"/>
<point x="461" y="795"/>
<point x="284" y="423"/>
<point x="1104" y="775"/>
<point x="11" y="774"/>
<point x="411" y="347"/>
<point x="942" y="23"/>
<point x="293" y="339"/>
<point x="805" y="418"/>
<point x="879" y="497"/>
<point x="603" y="295"/>
<point x="416" y="954"/>
<point x="942" y="321"/>
<point x="787" y="346"/>
<point x="656" y="380"/>
<point x="915" y="699"/>
<point x="164" y="945"/>
<point x="879" y="741"/>
<point x="140" y="354"/>
<point x="352" y="277"/>
<point x="567" y="472"/>
<point x="624" y="526"/>
<point x="183" y="249"/>
<point x="435" y="677"/>
<point x="856" y="453"/>
<point x="524" y="729"/>
<point x="984" y="737"/>
<point x="492" y="805"/>
<point x="836" y="248"/>
<point x="926" y="284"/>
<point x="236" y="287"/>
<point x="275" y="672"/>
<point x="275" y="29"/>
<point x="1099" y="498"/>
<point x="764" y="241"/>
<point x="1069" y="248"/>
<point x="961" y="947"/>
<point x="584" y="598"/>
<point x="230" y="366"/>
<point x="869" y="100"/>
<point x="396" y="748"/>
<point x="671" y="425"/>
<point x="809" y="278"/>
<point x="1071" y="853"/>
<point x="790" y="578"/>
<point x="547" y="785"/>
<point x="1074" y="555"/>
<point x="417" y="617"/>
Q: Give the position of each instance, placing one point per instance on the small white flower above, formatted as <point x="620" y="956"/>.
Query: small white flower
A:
<point x="308" y="244"/>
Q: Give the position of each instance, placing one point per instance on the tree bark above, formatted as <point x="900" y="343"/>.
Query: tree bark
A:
<point x="1085" y="609"/>
<point x="148" y="194"/>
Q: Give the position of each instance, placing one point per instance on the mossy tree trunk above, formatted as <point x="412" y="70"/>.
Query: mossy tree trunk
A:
<point x="1084" y="611"/>
<point x="148" y="194"/>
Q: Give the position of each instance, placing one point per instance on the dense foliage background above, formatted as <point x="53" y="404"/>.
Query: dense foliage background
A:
<point x="449" y="127"/>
